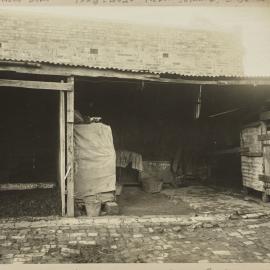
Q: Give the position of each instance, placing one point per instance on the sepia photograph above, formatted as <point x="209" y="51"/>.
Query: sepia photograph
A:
<point x="135" y="131"/>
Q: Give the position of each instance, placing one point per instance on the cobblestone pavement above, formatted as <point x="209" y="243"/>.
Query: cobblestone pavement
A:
<point x="207" y="200"/>
<point x="212" y="236"/>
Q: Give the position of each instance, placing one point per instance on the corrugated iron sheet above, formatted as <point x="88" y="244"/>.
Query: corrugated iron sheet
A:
<point x="132" y="70"/>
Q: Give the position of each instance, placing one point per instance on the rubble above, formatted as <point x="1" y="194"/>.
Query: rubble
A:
<point x="177" y="229"/>
<point x="111" y="208"/>
<point x="254" y="215"/>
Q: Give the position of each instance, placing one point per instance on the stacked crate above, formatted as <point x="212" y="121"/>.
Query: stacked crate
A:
<point x="255" y="160"/>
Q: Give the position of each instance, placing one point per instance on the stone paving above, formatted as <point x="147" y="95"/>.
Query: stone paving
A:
<point x="207" y="200"/>
<point x="212" y="236"/>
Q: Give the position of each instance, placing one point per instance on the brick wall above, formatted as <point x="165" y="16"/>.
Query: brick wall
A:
<point x="121" y="46"/>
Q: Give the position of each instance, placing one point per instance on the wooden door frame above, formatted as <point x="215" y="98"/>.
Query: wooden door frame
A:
<point x="66" y="124"/>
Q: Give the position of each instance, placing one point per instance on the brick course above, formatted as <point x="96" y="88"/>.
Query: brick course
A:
<point x="118" y="45"/>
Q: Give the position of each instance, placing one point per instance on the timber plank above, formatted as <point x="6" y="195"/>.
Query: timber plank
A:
<point x="70" y="150"/>
<point x="250" y="125"/>
<point x="62" y="155"/>
<point x="263" y="137"/>
<point x="36" y="85"/>
<point x="26" y="186"/>
<point x="252" y="154"/>
<point x="264" y="178"/>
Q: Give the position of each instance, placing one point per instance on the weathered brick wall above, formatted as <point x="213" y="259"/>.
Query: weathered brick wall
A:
<point x="121" y="46"/>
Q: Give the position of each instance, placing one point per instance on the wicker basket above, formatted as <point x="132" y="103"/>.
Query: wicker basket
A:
<point x="152" y="185"/>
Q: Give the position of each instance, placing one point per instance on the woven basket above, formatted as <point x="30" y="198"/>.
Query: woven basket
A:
<point x="152" y="185"/>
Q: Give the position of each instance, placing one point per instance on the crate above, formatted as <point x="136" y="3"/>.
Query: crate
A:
<point x="252" y="155"/>
<point x="152" y="185"/>
<point x="160" y="169"/>
<point x="255" y="158"/>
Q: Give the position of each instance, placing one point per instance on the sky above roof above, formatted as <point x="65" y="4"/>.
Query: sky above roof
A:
<point x="250" y="22"/>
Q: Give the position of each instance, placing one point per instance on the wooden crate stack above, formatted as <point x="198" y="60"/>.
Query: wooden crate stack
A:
<point x="255" y="158"/>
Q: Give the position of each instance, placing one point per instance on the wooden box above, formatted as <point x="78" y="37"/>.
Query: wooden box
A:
<point x="255" y="156"/>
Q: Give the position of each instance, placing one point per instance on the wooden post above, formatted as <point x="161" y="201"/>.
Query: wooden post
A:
<point x="266" y="166"/>
<point x="61" y="153"/>
<point x="70" y="150"/>
<point x="198" y="104"/>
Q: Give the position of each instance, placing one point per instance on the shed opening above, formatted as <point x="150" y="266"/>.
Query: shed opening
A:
<point x="150" y="122"/>
<point x="28" y="152"/>
<point x="161" y="123"/>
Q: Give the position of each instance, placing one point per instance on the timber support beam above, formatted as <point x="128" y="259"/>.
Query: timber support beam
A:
<point x="70" y="149"/>
<point x="58" y="86"/>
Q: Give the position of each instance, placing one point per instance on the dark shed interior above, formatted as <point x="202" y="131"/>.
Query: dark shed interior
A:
<point x="29" y="145"/>
<point x="141" y="117"/>
<point x="157" y="120"/>
<point x="227" y="109"/>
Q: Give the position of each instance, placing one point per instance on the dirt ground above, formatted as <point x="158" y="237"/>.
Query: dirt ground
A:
<point x="43" y="202"/>
<point x="134" y="201"/>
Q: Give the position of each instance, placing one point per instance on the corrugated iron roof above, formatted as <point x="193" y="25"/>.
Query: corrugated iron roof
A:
<point x="136" y="71"/>
<point x="121" y="69"/>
